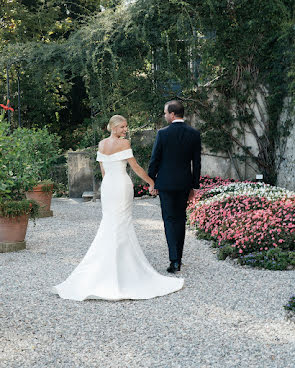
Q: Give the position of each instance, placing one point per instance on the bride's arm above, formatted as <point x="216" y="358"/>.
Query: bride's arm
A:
<point x="139" y="171"/>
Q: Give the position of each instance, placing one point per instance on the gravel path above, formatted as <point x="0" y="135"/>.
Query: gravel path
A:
<point x="226" y="316"/>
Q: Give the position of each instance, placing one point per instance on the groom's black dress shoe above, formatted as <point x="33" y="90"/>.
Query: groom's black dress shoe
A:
<point x="174" y="267"/>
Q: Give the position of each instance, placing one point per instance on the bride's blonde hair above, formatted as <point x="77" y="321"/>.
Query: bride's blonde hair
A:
<point x="114" y="121"/>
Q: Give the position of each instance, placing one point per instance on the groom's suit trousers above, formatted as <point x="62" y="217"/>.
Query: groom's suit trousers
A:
<point x="173" y="205"/>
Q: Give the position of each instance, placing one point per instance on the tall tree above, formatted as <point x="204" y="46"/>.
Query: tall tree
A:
<point x="230" y="61"/>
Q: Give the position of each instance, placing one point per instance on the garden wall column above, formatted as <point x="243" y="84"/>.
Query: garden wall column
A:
<point x="79" y="174"/>
<point x="286" y="153"/>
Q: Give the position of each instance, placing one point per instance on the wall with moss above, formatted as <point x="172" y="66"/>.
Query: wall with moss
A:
<point x="286" y="171"/>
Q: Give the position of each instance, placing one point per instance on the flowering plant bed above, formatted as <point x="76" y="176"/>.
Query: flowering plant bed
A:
<point x="140" y="190"/>
<point x="252" y="222"/>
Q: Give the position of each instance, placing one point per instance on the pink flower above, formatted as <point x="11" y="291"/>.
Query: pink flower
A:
<point x="7" y="107"/>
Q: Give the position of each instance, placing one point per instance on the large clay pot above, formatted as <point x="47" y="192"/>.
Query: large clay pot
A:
<point x="12" y="233"/>
<point x="43" y="198"/>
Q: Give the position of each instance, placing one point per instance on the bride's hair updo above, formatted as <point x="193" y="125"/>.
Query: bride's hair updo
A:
<point x="114" y="121"/>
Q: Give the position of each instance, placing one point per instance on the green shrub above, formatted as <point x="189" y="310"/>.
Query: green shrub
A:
<point x="9" y="208"/>
<point x="273" y="259"/>
<point x="40" y="150"/>
<point x="15" y="172"/>
<point x="291" y="304"/>
<point x="26" y="157"/>
<point x="202" y="235"/>
<point x="224" y="252"/>
<point x="60" y="190"/>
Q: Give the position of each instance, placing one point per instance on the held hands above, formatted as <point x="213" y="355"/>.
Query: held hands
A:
<point x="154" y="192"/>
<point x="152" y="189"/>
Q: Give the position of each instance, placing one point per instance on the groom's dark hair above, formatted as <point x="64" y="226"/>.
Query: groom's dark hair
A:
<point x="176" y="107"/>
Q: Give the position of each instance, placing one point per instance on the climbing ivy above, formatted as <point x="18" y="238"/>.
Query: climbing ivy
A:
<point x="248" y="59"/>
<point x="230" y="61"/>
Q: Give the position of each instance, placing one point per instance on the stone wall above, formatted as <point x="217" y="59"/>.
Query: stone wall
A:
<point x="225" y="166"/>
<point x="80" y="168"/>
<point x="286" y="174"/>
<point x="212" y="164"/>
<point x="80" y="173"/>
<point x="286" y="155"/>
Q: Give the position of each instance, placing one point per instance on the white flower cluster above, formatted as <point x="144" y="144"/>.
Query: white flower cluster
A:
<point x="267" y="191"/>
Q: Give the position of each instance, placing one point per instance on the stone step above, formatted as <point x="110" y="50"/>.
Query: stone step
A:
<point x="88" y="196"/>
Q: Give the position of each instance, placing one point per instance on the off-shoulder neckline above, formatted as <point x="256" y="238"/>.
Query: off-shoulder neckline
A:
<point x="112" y="154"/>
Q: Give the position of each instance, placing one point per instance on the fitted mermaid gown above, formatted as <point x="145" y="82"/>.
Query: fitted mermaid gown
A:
<point x="115" y="267"/>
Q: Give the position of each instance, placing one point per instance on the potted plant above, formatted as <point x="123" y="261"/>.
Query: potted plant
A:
<point x="41" y="152"/>
<point x="42" y="193"/>
<point x="15" y="179"/>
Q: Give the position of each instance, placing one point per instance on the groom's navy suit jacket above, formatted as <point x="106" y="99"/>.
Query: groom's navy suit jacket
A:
<point x="175" y="163"/>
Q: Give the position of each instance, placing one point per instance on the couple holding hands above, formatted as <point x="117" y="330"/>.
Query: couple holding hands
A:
<point x="115" y="267"/>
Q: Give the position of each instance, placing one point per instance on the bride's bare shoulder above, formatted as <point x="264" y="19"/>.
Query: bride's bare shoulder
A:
<point x="108" y="147"/>
<point x="125" y="144"/>
<point x="101" y="143"/>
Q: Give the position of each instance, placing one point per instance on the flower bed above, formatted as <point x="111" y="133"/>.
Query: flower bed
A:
<point x="140" y="190"/>
<point x="246" y="221"/>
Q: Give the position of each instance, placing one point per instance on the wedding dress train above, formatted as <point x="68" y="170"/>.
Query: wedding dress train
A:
<point x="115" y="266"/>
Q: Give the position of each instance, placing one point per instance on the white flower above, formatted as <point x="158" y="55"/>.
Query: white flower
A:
<point x="271" y="193"/>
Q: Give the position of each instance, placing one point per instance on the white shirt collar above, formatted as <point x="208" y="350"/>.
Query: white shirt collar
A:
<point x="178" y="121"/>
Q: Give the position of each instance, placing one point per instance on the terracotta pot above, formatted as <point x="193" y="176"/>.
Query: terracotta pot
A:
<point x="13" y="229"/>
<point x="43" y="198"/>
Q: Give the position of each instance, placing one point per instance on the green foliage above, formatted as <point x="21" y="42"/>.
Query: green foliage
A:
<point x="50" y="95"/>
<point x="273" y="259"/>
<point x="47" y="185"/>
<point x="59" y="176"/>
<point x="60" y="190"/>
<point x="15" y="174"/>
<point x="202" y="235"/>
<point x="225" y="251"/>
<point x="45" y="21"/>
<point x="17" y="208"/>
<point x="140" y="190"/>
<point x="248" y="60"/>
<point x="87" y="135"/>
<point x="222" y="58"/>
<point x="40" y="150"/>
<point x="291" y="304"/>
<point x="142" y="154"/>
<point x="26" y="157"/>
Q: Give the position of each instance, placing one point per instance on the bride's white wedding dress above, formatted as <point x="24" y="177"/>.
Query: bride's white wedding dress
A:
<point x="114" y="266"/>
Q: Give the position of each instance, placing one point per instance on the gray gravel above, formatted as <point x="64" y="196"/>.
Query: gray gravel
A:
<point x="226" y="316"/>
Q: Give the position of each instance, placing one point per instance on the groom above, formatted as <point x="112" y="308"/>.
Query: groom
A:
<point x="175" y="167"/>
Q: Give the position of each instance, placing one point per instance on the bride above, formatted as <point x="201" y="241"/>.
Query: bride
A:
<point x="115" y="267"/>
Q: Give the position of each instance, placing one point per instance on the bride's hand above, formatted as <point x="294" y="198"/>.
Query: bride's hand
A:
<point x="151" y="186"/>
<point x="155" y="192"/>
<point x="152" y="189"/>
